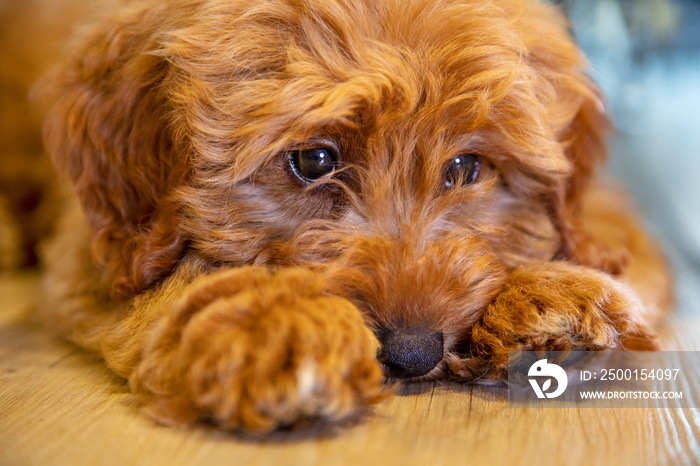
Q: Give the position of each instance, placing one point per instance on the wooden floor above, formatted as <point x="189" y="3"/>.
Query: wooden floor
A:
<point x="59" y="405"/>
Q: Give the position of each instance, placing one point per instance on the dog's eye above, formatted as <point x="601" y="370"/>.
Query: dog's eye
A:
<point x="311" y="164"/>
<point x="462" y="170"/>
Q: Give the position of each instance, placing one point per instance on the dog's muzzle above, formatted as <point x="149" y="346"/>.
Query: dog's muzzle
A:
<point x="408" y="354"/>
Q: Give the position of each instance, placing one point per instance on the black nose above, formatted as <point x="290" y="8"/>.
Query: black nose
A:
<point x="407" y="354"/>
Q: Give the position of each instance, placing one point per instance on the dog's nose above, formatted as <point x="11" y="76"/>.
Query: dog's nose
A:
<point x="406" y="354"/>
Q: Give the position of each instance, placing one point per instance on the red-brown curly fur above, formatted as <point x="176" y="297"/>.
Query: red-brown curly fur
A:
<point x="204" y="271"/>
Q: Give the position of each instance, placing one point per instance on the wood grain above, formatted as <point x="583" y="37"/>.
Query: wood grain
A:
<point x="59" y="405"/>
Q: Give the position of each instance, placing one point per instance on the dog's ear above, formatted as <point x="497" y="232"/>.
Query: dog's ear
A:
<point x="581" y="124"/>
<point x="585" y="148"/>
<point x="107" y="129"/>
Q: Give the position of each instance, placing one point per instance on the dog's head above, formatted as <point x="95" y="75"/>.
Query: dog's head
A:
<point x="412" y="152"/>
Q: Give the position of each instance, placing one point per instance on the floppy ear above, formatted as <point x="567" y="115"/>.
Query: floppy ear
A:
<point x="107" y="129"/>
<point x="580" y="124"/>
<point x="584" y="142"/>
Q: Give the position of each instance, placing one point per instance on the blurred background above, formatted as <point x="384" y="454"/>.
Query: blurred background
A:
<point x="646" y="57"/>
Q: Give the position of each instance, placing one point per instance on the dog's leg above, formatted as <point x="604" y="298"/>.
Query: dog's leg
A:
<point x="555" y="306"/>
<point x="257" y="350"/>
<point x="247" y="348"/>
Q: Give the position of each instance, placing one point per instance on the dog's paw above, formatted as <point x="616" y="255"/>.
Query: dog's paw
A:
<point x="255" y="351"/>
<point x="557" y="307"/>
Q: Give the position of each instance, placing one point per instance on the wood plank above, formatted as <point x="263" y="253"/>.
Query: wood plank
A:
<point x="59" y="405"/>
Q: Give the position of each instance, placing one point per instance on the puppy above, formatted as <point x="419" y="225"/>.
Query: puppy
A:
<point x="279" y="205"/>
